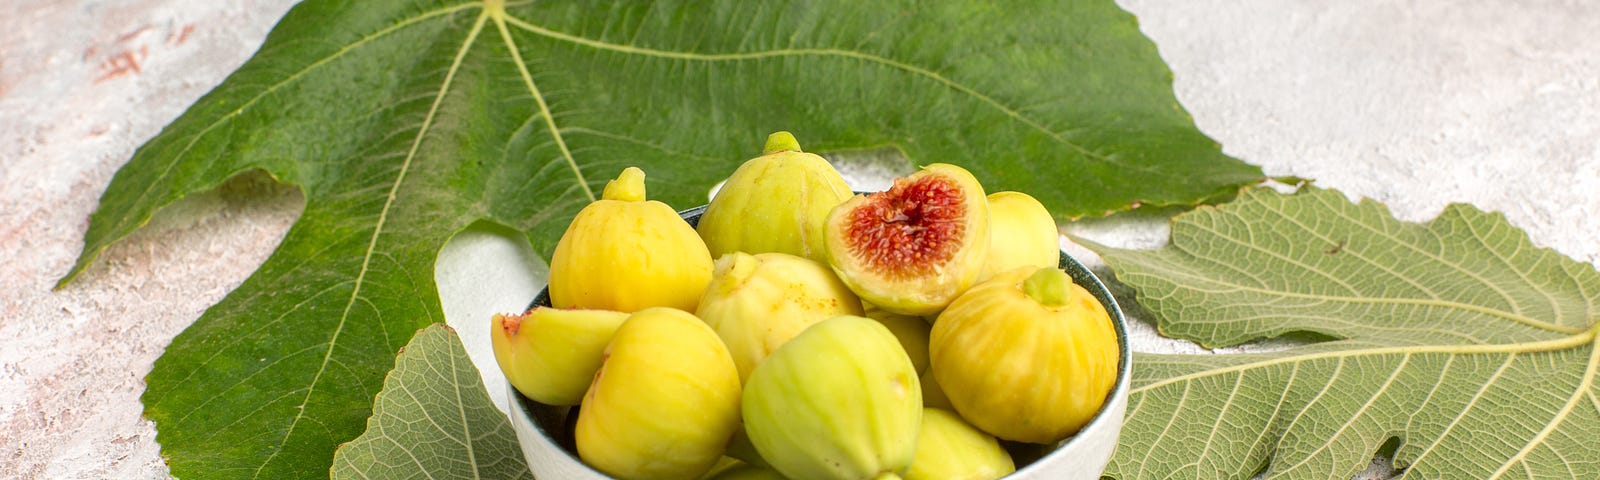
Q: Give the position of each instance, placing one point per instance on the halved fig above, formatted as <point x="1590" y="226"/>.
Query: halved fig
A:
<point x="915" y="247"/>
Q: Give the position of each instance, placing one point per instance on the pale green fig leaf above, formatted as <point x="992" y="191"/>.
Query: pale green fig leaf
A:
<point x="433" y="419"/>
<point x="1459" y="338"/>
<point x="403" y="122"/>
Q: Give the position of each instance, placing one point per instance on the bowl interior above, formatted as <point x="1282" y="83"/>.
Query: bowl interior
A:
<point x="546" y="431"/>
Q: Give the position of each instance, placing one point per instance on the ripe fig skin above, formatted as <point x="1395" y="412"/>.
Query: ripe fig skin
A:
<point x="932" y="394"/>
<point x="912" y="332"/>
<point x="948" y="448"/>
<point x="1023" y="359"/>
<point x="756" y="303"/>
<point x="747" y="472"/>
<point x="839" y="401"/>
<point x="624" y="253"/>
<point x="915" y="247"/>
<point x="549" y="354"/>
<point x="1021" y="234"/>
<point x="776" y="202"/>
<point x="665" y="401"/>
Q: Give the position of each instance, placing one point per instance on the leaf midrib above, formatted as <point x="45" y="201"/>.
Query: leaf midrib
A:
<point x="826" y="52"/>
<point x="496" y="10"/>
<point x="1528" y="321"/>
<point x="1586" y="337"/>
<point x="377" y="231"/>
<point x="1583" y="389"/>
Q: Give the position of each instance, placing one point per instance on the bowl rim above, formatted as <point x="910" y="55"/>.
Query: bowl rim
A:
<point x="1080" y="274"/>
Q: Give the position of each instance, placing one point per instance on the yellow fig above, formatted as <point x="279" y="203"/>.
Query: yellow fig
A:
<point x="950" y="449"/>
<point x="724" y="465"/>
<point x="745" y="471"/>
<point x="758" y="302"/>
<point x="912" y="332"/>
<point x="932" y="394"/>
<point x="776" y="202"/>
<point x="839" y="401"/>
<point x="625" y="253"/>
<point x="1026" y="356"/>
<point x="1021" y="234"/>
<point x="550" y="354"/>
<point x="915" y="247"/>
<point x="665" y="401"/>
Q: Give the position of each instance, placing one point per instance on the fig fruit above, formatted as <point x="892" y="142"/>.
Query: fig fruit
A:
<point x="950" y="449"/>
<point x="912" y="332"/>
<point x="625" y="253"/>
<point x="839" y="401"/>
<point x="758" y="302"/>
<point x="1027" y="355"/>
<point x="1021" y="234"/>
<point x="747" y="472"/>
<point x="664" y="402"/>
<point x="915" y="247"/>
<point x="550" y="354"/>
<point x="932" y="394"/>
<point x="776" y="202"/>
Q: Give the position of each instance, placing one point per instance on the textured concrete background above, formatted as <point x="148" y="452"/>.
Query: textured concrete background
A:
<point x="1417" y="104"/>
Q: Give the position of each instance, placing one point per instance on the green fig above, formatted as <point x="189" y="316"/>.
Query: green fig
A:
<point x="950" y="449"/>
<point x="1027" y="356"/>
<point x="625" y="253"/>
<point x="664" y="402"/>
<point x="915" y="247"/>
<point x="549" y="354"/>
<point x="757" y="302"/>
<point x="839" y="401"/>
<point x="776" y="202"/>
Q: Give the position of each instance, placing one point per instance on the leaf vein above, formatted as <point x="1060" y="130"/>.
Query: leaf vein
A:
<point x="1560" y="416"/>
<point x="1182" y="398"/>
<point x="1492" y="286"/>
<point x="377" y="231"/>
<point x="1355" y="252"/>
<point x="500" y="19"/>
<point x="1519" y="347"/>
<point x="291" y="78"/>
<point x="1464" y="409"/>
<point x="1358" y="413"/>
<point x="829" y="52"/>
<point x="1332" y="378"/>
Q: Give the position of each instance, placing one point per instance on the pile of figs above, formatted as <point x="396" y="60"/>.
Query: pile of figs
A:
<point x="803" y="331"/>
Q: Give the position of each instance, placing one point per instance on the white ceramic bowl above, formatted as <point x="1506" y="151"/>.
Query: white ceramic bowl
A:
<point x="546" y="431"/>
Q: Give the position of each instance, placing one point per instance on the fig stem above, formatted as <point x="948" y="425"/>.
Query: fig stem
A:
<point x="781" y="142"/>
<point x="628" y="187"/>
<point x="1048" y="286"/>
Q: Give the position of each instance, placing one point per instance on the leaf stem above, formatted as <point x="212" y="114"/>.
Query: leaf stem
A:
<point x="781" y="142"/>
